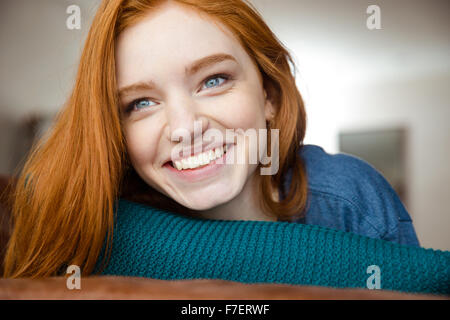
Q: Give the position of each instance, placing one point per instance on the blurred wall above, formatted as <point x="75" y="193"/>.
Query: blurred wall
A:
<point x="38" y="63"/>
<point x="351" y="78"/>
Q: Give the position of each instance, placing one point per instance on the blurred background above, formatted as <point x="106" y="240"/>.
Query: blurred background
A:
<point x="382" y="94"/>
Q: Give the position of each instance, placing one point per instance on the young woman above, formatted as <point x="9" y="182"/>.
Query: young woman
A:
<point x="150" y="68"/>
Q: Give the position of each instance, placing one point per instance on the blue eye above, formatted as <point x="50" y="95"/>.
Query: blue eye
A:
<point x="142" y="103"/>
<point x="139" y="104"/>
<point x="214" y="82"/>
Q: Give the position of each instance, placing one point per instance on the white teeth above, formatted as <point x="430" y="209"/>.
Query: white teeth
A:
<point x="205" y="158"/>
<point x="178" y="165"/>
<point x="191" y="163"/>
<point x="195" y="161"/>
<point x="219" y="152"/>
<point x="211" y="155"/>
<point x="200" y="160"/>
<point x="188" y="164"/>
<point x="184" y="163"/>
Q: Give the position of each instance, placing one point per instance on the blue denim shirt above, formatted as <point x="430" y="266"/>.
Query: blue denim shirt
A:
<point x="348" y="194"/>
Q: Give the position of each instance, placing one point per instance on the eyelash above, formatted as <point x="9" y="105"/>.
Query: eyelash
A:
<point x="225" y="76"/>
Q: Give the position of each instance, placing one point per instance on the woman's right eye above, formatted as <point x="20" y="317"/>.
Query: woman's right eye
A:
<point x="139" y="104"/>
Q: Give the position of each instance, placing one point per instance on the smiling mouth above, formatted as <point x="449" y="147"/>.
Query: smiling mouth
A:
<point x="200" y="160"/>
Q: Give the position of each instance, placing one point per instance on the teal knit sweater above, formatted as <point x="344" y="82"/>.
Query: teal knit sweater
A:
<point x="157" y="244"/>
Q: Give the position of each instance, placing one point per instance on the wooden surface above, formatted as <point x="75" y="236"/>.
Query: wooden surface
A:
<point x="141" y="288"/>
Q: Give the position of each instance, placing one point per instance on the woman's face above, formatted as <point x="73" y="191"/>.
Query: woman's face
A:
<point x="166" y="83"/>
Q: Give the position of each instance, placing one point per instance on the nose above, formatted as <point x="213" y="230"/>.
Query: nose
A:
<point x="184" y="123"/>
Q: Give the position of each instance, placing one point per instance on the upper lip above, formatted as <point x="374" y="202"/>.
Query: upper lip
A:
<point x="204" y="148"/>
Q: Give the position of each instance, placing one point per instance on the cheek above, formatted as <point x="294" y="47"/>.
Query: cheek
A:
<point x="142" y="142"/>
<point x="245" y="111"/>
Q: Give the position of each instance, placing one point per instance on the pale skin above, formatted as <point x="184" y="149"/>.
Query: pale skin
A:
<point x="160" y="48"/>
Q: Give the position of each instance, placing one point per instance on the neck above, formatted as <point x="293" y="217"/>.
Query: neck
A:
<point x="244" y="206"/>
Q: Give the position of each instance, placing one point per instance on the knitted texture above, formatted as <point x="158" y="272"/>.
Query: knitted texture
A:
<point x="157" y="244"/>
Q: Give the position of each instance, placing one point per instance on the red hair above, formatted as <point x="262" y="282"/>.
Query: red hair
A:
<point x="64" y="198"/>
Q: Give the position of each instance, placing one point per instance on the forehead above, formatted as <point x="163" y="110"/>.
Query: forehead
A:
<point x="168" y="39"/>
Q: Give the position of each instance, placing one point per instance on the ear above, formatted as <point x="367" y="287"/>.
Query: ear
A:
<point x="269" y="108"/>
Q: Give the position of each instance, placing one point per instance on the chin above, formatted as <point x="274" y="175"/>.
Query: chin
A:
<point x="210" y="200"/>
<point x="205" y="204"/>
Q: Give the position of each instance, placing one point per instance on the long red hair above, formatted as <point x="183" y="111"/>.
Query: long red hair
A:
<point x="63" y="200"/>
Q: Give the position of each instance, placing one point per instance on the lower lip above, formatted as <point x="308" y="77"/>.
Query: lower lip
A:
<point x="201" y="173"/>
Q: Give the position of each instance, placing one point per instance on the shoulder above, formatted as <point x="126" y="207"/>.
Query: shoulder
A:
<point x="347" y="193"/>
<point x="340" y="174"/>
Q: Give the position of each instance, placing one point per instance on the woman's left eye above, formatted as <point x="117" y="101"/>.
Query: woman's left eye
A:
<point x="214" y="81"/>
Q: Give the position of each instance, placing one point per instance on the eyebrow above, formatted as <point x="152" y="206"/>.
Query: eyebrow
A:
<point x="192" y="69"/>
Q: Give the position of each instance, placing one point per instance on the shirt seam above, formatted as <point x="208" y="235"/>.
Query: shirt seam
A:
<point x="395" y="228"/>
